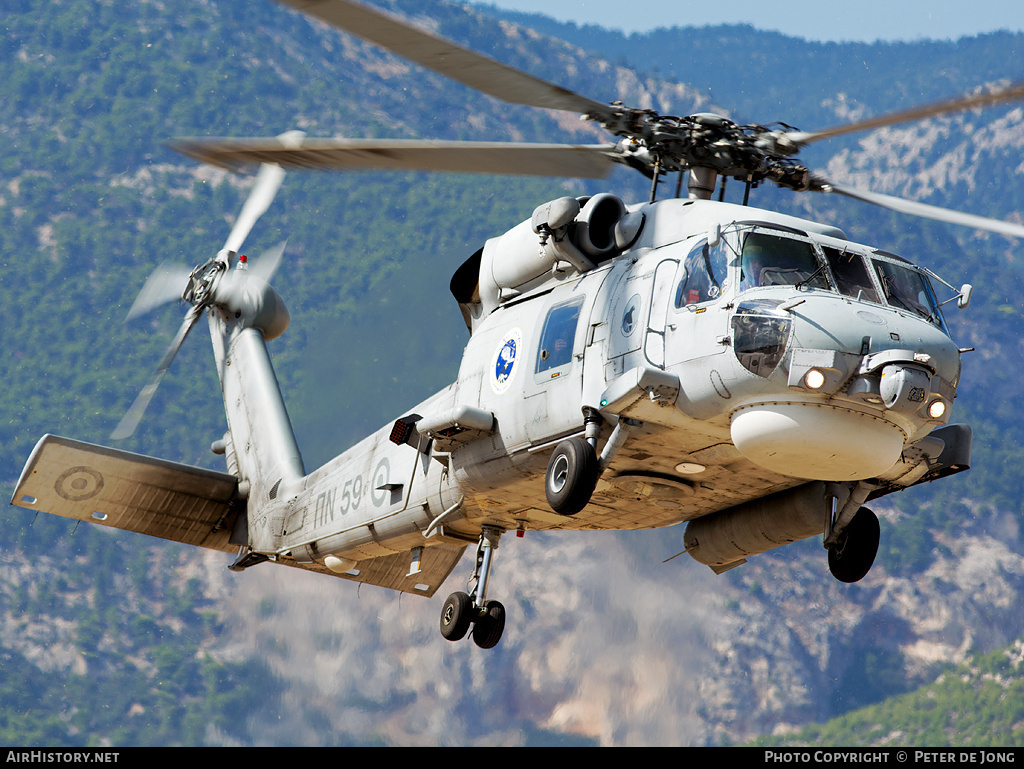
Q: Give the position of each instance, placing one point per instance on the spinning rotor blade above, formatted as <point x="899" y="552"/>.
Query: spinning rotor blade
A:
<point x="268" y="181"/>
<point x="959" y="104"/>
<point x="131" y="420"/>
<point x="460" y="64"/>
<point x="566" y="160"/>
<point x="163" y="286"/>
<point x="926" y="211"/>
<point x="269" y="261"/>
<point x="168" y="282"/>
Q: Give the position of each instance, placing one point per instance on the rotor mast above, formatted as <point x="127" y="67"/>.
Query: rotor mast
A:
<point x="701" y="183"/>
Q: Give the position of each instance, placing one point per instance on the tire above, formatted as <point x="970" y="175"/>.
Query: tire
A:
<point x="852" y="557"/>
<point x="456" y="616"/>
<point x="489" y="625"/>
<point x="571" y="476"/>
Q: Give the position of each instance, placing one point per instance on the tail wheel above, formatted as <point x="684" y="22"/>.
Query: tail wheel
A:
<point x="456" y="616"/>
<point x="489" y="625"/>
<point x="571" y="476"/>
<point x="851" y="558"/>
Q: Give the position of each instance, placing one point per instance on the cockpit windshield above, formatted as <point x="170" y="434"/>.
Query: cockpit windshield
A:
<point x="770" y="260"/>
<point x="851" y="275"/>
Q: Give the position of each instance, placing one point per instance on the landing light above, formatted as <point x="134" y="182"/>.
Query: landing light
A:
<point x="936" y="409"/>
<point x="814" y="379"/>
<point x="690" y="468"/>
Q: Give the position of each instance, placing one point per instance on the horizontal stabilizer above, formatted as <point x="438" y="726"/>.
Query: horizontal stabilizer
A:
<point x="392" y="571"/>
<point x="130" y="491"/>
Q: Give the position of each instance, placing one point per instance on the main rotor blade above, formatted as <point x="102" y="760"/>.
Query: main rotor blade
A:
<point x="268" y="181"/>
<point x="131" y="420"/>
<point x="926" y="211"/>
<point x="959" y="104"/>
<point x="460" y="64"/>
<point x="566" y="160"/>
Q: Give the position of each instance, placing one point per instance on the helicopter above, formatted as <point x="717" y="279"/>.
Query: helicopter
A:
<point x="756" y="376"/>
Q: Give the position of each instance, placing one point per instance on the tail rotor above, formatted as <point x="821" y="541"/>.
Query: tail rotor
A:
<point x="198" y="286"/>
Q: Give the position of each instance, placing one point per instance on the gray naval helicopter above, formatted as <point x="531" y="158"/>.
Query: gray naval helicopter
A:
<point x="756" y="376"/>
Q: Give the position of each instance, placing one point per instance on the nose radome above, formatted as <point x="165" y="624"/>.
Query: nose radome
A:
<point x="816" y="441"/>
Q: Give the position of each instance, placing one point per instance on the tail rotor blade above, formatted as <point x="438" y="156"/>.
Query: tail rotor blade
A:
<point x="131" y="420"/>
<point x="269" y="261"/>
<point x="163" y="286"/>
<point x="268" y="181"/>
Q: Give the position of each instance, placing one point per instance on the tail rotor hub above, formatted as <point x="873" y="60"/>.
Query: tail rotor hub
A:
<point x="202" y="281"/>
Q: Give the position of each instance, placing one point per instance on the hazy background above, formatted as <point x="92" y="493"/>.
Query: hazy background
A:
<point x="867" y="21"/>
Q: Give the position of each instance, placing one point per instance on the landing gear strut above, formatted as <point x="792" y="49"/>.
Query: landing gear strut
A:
<point x="461" y="610"/>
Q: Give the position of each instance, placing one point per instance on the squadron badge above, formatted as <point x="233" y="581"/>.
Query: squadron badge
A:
<point x="503" y="365"/>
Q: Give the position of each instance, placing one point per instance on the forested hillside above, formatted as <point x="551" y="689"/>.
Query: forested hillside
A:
<point x="113" y="639"/>
<point x="976" y="704"/>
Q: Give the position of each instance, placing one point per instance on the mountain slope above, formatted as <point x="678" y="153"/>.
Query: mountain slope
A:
<point x="976" y="704"/>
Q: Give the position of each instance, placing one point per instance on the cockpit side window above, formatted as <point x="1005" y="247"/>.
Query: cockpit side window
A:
<point x="704" y="275"/>
<point x="851" y="275"/>
<point x="908" y="290"/>
<point x="770" y="260"/>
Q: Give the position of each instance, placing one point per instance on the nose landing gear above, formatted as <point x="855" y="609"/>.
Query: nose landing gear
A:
<point x="853" y="553"/>
<point x="461" y="610"/>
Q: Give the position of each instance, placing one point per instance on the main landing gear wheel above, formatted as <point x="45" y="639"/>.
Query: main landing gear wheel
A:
<point x="461" y="610"/>
<point x="456" y="616"/>
<point x="489" y="625"/>
<point x="852" y="556"/>
<point x="571" y="476"/>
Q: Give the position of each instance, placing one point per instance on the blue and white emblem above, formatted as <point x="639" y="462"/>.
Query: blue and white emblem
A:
<point x="503" y="365"/>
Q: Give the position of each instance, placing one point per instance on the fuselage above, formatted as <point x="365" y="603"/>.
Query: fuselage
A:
<point x="751" y="352"/>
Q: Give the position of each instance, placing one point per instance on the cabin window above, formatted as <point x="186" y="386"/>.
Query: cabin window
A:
<point x="557" y="337"/>
<point x="703" y="276"/>
<point x="770" y="260"/>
